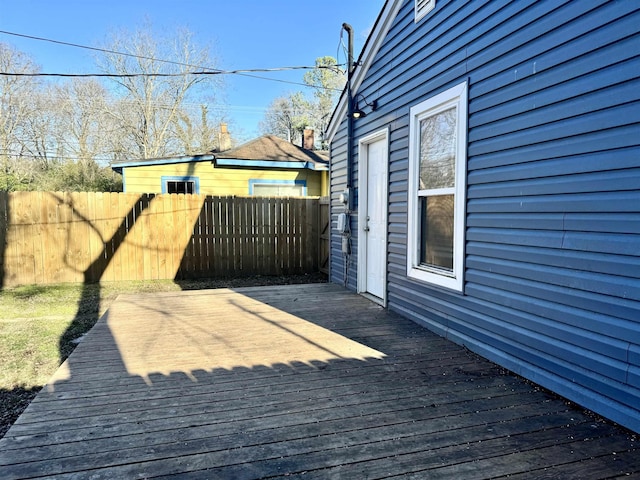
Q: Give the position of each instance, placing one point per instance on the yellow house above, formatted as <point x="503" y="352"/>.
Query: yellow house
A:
<point x="268" y="166"/>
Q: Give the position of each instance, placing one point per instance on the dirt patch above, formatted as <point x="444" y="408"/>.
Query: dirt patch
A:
<point x="254" y="281"/>
<point x="13" y="403"/>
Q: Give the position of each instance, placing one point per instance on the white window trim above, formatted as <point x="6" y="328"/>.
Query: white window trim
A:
<point x="455" y="96"/>
<point x="422" y="7"/>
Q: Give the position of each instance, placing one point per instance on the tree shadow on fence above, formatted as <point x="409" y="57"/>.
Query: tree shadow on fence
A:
<point x="88" y="311"/>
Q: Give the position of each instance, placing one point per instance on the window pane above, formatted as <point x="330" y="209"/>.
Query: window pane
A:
<point x="438" y="150"/>
<point x="436" y="231"/>
<point x="276" y="189"/>
<point x="180" y="187"/>
<point x="291" y="190"/>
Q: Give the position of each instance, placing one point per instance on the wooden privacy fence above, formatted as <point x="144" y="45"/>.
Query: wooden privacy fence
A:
<point x="51" y="237"/>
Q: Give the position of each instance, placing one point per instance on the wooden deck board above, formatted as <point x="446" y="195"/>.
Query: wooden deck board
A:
<point x="307" y="381"/>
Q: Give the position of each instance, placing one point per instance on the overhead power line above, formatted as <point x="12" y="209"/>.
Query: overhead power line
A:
<point x="201" y="70"/>
<point x="179" y="74"/>
<point x="221" y="72"/>
<point x="103" y="50"/>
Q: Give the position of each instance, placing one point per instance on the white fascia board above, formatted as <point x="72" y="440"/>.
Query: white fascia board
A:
<point x="377" y="37"/>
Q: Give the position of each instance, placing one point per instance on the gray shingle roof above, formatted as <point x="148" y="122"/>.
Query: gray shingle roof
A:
<point x="272" y="148"/>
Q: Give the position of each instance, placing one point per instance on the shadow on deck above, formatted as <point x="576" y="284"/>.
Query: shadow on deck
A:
<point x="305" y="381"/>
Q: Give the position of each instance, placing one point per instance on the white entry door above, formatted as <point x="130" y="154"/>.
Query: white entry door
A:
<point x="372" y="216"/>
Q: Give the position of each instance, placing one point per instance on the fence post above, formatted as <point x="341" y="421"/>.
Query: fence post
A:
<point x="4" y="227"/>
<point x="324" y="234"/>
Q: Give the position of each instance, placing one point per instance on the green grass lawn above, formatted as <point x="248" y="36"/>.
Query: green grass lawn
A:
<point x="34" y="320"/>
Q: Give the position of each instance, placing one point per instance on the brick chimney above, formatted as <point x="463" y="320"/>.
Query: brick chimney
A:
<point x="224" y="139"/>
<point x="308" y="140"/>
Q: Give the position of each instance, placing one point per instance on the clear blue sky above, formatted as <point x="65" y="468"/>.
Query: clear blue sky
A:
<point x="243" y="34"/>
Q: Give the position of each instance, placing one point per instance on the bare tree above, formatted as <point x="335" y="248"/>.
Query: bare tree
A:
<point x="197" y="133"/>
<point x="151" y="105"/>
<point x="83" y="117"/>
<point x="286" y="117"/>
<point x="62" y="135"/>
<point x="82" y="128"/>
<point x="16" y="108"/>
<point x="41" y="134"/>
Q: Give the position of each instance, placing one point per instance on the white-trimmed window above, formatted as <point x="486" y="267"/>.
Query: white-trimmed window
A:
<point x="437" y="188"/>
<point x="423" y="7"/>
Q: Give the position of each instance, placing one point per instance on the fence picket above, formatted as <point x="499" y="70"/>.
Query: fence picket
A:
<point x="324" y="234"/>
<point x="272" y="233"/>
<point x="216" y="250"/>
<point x="38" y="232"/>
<point x="4" y="221"/>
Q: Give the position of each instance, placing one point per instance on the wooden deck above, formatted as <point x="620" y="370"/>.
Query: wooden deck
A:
<point x="305" y="381"/>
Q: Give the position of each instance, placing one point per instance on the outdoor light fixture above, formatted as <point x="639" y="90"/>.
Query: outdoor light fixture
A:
<point x="357" y="112"/>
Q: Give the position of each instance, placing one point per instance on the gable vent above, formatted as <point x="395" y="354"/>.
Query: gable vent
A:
<point x="423" y="7"/>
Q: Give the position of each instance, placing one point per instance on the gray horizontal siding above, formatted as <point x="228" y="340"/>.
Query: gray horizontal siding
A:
<point x="481" y="244"/>
<point x="611" y="159"/>
<point x="552" y="266"/>
<point x="583" y="222"/>
<point x="342" y="269"/>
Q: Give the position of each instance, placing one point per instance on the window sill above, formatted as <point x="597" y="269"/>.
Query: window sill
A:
<point x="435" y="279"/>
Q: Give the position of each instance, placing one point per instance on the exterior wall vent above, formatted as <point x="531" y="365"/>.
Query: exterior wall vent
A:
<point x="423" y="7"/>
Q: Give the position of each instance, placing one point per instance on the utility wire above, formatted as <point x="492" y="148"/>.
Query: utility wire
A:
<point x="103" y="50"/>
<point x="203" y="70"/>
<point x="179" y="74"/>
<point x="197" y="73"/>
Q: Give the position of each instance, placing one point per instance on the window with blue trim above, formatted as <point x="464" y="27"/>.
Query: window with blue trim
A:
<point x="278" y="188"/>
<point x="185" y="185"/>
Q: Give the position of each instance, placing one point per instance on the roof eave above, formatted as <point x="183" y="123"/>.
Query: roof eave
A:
<point x="372" y="46"/>
<point x="293" y="165"/>
<point x="117" y="167"/>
